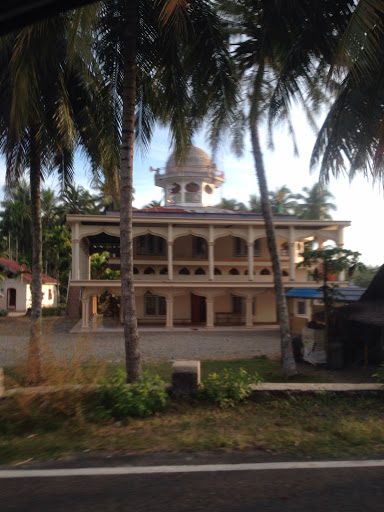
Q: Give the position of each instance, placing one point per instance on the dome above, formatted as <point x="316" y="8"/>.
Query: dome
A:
<point x="197" y="162"/>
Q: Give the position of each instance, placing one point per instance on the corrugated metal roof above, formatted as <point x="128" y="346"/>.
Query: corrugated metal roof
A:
<point x="305" y="293"/>
<point x="347" y="294"/>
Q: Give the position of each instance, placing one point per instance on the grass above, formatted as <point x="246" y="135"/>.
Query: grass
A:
<point x="268" y="370"/>
<point x="319" y="426"/>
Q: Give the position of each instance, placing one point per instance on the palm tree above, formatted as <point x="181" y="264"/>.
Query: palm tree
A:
<point x="282" y="200"/>
<point x="279" y="57"/>
<point x="154" y="204"/>
<point x="231" y="204"/>
<point x="158" y="55"/>
<point x="16" y="219"/>
<point x="254" y="203"/>
<point x="51" y="101"/>
<point x="351" y="138"/>
<point x="314" y="203"/>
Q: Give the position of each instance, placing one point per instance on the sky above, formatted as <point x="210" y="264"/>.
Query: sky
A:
<point x="359" y="201"/>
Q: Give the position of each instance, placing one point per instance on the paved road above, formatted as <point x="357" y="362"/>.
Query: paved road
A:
<point x="293" y="490"/>
<point x="155" y="346"/>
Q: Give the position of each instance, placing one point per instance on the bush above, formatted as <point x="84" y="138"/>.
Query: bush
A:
<point x="3" y="313"/>
<point x="379" y="375"/>
<point x="227" y="388"/>
<point x="120" y="400"/>
<point x="52" y="311"/>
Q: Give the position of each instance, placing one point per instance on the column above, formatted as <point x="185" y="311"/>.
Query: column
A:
<point x="292" y="265"/>
<point x="85" y="313"/>
<point x="211" y="253"/>
<point x="94" y="310"/>
<point x="170" y="261"/>
<point x="210" y="312"/>
<point x="211" y="261"/>
<point x="251" y="260"/>
<point x="170" y="252"/>
<point x="340" y="243"/>
<point x="75" y="253"/>
<point x="169" y="319"/>
<point x="248" y="312"/>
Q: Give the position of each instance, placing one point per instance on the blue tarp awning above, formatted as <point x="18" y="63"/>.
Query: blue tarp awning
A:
<point x="305" y="293"/>
<point x="347" y="294"/>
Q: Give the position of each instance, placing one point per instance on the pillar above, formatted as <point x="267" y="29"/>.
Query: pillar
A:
<point x="84" y="313"/>
<point x="250" y="261"/>
<point x="292" y="263"/>
<point x="211" y="261"/>
<point x="248" y="312"/>
<point x="210" y="312"/>
<point x="75" y="259"/>
<point x="170" y="261"/>
<point x="169" y="318"/>
<point x="94" y="305"/>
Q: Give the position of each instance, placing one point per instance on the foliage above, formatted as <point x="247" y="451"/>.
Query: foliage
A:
<point x="3" y="313"/>
<point x="363" y="276"/>
<point x="314" y="203"/>
<point x="141" y="399"/>
<point x="379" y="375"/>
<point x="228" y="388"/>
<point x="52" y="311"/>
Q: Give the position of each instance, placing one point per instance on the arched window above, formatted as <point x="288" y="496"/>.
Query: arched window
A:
<point x="246" y="272"/>
<point x="285" y="273"/>
<point x="135" y="270"/>
<point x="265" y="272"/>
<point x="149" y="270"/>
<point x="199" y="272"/>
<point x="217" y="272"/>
<point x="234" y="272"/>
<point x="192" y="194"/>
<point x="184" y="272"/>
<point x="164" y="271"/>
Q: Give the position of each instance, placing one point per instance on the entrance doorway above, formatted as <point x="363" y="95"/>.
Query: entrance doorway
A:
<point x="11" y="298"/>
<point x="198" y="309"/>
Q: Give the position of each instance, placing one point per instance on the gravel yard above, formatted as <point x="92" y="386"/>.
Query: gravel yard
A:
<point x="155" y="346"/>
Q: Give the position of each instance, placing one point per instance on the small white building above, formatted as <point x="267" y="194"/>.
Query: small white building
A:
<point x="15" y="289"/>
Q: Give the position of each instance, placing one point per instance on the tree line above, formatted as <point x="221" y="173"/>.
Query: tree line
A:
<point x="100" y="77"/>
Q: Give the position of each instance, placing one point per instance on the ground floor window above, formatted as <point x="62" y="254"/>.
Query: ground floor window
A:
<point x="237" y="305"/>
<point x="301" y="307"/>
<point x="154" y="305"/>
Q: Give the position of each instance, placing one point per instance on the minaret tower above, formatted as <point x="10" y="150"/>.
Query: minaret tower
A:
<point x="192" y="183"/>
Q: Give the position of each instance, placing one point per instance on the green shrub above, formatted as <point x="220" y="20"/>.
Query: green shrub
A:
<point x="227" y="388"/>
<point x="3" y="313"/>
<point x="52" y="311"/>
<point x="120" y="400"/>
<point x="379" y="375"/>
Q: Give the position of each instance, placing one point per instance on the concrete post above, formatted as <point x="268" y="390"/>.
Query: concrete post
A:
<point x="248" y="312"/>
<point x="170" y="261"/>
<point x="169" y="318"/>
<point x="211" y="261"/>
<point x="186" y="377"/>
<point x="85" y="313"/>
<point x="210" y="312"/>
<point x="292" y="265"/>
<point x="251" y="255"/>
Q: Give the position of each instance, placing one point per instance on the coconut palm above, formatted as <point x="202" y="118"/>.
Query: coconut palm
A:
<point x="51" y="101"/>
<point x="158" y="54"/>
<point x="282" y="200"/>
<point x="254" y="203"/>
<point x="315" y="203"/>
<point x="279" y="56"/>
<point x="231" y="204"/>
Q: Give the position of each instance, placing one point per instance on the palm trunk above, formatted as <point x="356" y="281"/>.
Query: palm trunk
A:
<point x="131" y="335"/>
<point x="288" y="365"/>
<point x="34" y="361"/>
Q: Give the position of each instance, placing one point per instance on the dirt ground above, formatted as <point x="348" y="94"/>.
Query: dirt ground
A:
<point x="14" y="333"/>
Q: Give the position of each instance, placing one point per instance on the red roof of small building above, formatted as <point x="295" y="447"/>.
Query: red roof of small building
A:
<point x="14" y="267"/>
